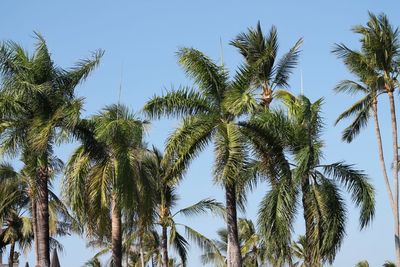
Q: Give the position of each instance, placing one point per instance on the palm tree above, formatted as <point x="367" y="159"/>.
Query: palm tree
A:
<point x="366" y="264"/>
<point x="377" y="66"/>
<point x="38" y="109"/>
<point x="18" y="227"/>
<point x="166" y="201"/>
<point x="104" y="178"/>
<point x="260" y="51"/>
<point x="362" y="264"/>
<point x="251" y="246"/>
<point x="15" y="228"/>
<point x="274" y="134"/>
<point x="206" y="119"/>
<point x="389" y="264"/>
<point x="299" y="253"/>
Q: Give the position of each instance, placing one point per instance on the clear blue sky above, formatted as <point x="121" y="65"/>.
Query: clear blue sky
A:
<point x="143" y="38"/>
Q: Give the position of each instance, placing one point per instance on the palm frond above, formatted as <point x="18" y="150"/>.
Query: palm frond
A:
<point x="211" y="78"/>
<point x="177" y="103"/>
<point x="356" y="182"/>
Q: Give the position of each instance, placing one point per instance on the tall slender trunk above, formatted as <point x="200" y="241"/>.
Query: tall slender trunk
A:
<point x="395" y="173"/>
<point x="35" y="230"/>
<point x="11" y="257"/>
<point x="234" y="258"/>
<point x="381" y="154"/>
<point x="116" y="233"/>
<point x="141" y="251"/>
<point x="42" y="209"/>
<point x="164" y="246"/>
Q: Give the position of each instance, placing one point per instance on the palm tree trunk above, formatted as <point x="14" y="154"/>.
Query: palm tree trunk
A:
<point x="116" y="233"/>
<point x="381" y="154"/>
<point x="11" y="258"/>
<point x="395" y="173"/>
<point x="35" y="230"/>
<point x="234" y="258"/>
<point x="141" y="251"/>
<point x="164" y="246"/>
<point x="42" y="209"/>
<point x="266" y="96"/>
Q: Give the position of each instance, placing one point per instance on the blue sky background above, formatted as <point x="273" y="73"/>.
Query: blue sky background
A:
<point x="142" y="37"/>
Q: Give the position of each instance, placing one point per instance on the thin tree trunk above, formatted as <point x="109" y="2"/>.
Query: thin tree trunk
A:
<point x="381" y="154"/>
<point x="43" y="218"/>
<point x="395" y="173"/>
<point x="116" y="233"/>
<point x="164" y="246"/>
<point x="141" y="252"/>
<point x="11" y="257"/>
<point x="35" y="230"/>
<point x="234" y="258"/>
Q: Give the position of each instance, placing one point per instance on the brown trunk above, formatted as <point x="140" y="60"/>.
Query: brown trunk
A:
<point x="234" y="258"/>
<point x="42" y="209"/>
<point x="164" y="246"/>
<point x="395" y="173"/>
<point x="34" y="226"/>
<point x="140" y="250"/>
<point x="116" y="234"/>
<point x="11" y="257"/>
<point x="266" y="96"/>
<point x="141" y="256"/>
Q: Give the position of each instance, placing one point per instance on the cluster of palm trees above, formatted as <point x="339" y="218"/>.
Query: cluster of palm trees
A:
<point x="120" y="194"/>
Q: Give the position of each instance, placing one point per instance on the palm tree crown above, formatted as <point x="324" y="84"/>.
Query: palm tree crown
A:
<point x="299" y="133"/>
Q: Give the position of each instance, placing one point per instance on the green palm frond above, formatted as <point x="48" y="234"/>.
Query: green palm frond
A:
<point x="389" y="264"/>
<point x="260" y="52"/>
<point x="187" y="142"/>
<point x="332" y="210"/>
<point x="286" y="64"/>
<point x="240" y="98"/>
<point x="276" y="216"/>
<point x="211" y="78"/>
<point x="202" y="207"/>
<point x="179" y="243"/>
<point x="357" y="184"/>
<point x="212" y="253"/>
<point x="362" y="264"/>
<point x="230" y="153"/>
<point x="177" y="103"/>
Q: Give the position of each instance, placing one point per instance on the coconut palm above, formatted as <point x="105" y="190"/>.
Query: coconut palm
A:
<point x="260" y="51"/>
<point x="15" y="228"/>
<point x="38" y="109"/>
<point x="362" y="264"/>
<point x="377" y="66"/>
<point x="389" y="264"/>
<point x="366" y="264"/>
<point x="251" y="246"/>
<point x="17" y="215"/>
<point x="166" y="202"/>
<point x="278" y="137"/>
<point x="299" y="253"/>
<point x="206" y="119"/>
<point x="103" y="180"/>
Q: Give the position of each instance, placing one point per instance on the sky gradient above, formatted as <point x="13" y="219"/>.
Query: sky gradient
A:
<point x="140" y="39"/>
